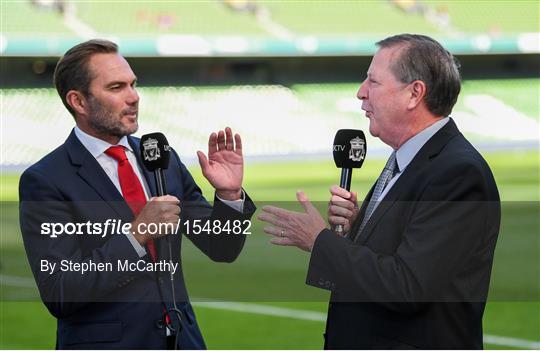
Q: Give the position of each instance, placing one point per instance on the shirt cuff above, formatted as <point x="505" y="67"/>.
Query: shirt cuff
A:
<point x="141" y="251"/>
<point x="235" y="204"/>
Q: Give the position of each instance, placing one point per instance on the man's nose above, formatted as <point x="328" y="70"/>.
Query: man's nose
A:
<point x="133" y="96"/>
<point x="362" y="93"/>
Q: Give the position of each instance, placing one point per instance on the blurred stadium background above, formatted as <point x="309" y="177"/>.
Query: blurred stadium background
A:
<point x="284" y="74"/>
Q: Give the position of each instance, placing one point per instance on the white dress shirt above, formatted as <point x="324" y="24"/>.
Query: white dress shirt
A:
<point x="407" y="151"/>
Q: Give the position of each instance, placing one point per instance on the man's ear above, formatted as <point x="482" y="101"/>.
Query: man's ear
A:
<point x="418" y="92"/>
<point x="77" y="101"/>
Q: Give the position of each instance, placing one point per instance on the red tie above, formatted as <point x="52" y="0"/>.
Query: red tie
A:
<point x="132" y="189"/>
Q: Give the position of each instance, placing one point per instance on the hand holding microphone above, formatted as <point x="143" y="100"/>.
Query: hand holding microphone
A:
<point x="155" y="154"/>
<point x="349" y="152"/>
<point x="342" y="208"/>
<point x="160" y="209"/>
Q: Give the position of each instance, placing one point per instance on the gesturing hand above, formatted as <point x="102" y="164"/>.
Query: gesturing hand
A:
<point x="294" y="228"/>
<point x="224" y="167"/>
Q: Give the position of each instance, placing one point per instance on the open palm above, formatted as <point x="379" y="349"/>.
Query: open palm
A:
<point x="224" y="166"/>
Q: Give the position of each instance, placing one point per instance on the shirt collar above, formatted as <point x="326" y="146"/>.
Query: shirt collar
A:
<point x="97" y="146"/>
<point x="407" y="151"/>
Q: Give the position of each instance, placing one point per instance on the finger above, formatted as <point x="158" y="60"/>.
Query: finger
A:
<point x="167" y="199"/>
<point x="238" y="142"/>
<point x="172" y="218"/>
<point x="335" y="220"/>
<point x="354" y="199"/>
<point x="279" y="212"/>
<point x="339" y="211"/>
<point x="272" y="220"/>
<point x="203" y="161"/>
<point x="175" y="209"/>
<point x="282" y="242"/>
<point x="173" y="199"/>
<point x="338" y="191"/>
<point x="170" y="205"/>
<point x="221" y="140"/>
<point x="341" y="202"/>
<point x="273" y="231"/>
<point x="229" y="143"/>
<point x="212" y="143"/>
<point x="304" y="201"/>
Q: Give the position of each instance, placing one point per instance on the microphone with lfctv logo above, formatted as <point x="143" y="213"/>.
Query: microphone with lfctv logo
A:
<point x="349" y="152"/>
<point x="155" y="154"/>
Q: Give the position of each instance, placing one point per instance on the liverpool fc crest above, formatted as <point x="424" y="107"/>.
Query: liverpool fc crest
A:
<point x="358" y="149"/>
<point x="151" y="150"/>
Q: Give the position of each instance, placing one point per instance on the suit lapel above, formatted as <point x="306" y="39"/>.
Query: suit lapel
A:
<point x="430" y="150"/>
<point x="356" y="224"/>
<point x="94" y="175"/>
<point x="381" y="209"/>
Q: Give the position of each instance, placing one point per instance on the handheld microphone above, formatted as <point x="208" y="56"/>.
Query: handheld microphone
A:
<point x="349" y="152"/>
<point x="155" y="152"/>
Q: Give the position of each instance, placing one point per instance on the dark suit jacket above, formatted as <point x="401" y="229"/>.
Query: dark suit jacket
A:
<point x="116" y="309"/>
<point x="418" y="274"/>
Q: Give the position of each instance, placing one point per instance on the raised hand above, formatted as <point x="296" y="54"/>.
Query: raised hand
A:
<point x="224" y="166"/>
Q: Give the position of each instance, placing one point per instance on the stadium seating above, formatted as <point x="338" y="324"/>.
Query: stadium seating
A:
<point x="274" y="121"/>
<point x="270" y="18"/>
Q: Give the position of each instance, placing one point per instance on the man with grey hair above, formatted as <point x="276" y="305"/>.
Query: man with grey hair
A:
<point x="412" y="267"/>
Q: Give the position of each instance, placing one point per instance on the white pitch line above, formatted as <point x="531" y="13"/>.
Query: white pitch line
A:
<point x="505" y="341"/>
<point x="23" y="282"/>
<point x="19" y="282"/>
<point x="264" y="310"/>
<point x="80" y="28"/>
<point x="267" y="23"/>
<point x="321" y="317"/>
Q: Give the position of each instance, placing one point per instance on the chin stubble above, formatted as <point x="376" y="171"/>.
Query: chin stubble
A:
<point x="106" y="123"/>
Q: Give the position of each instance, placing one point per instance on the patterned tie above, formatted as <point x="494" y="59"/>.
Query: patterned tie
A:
<point x="132" y="189"/>
<point x="389" y="171"/>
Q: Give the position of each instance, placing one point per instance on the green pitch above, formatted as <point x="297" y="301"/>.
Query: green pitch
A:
<point x="266" y="279"/>
<point x="372" y="18"/>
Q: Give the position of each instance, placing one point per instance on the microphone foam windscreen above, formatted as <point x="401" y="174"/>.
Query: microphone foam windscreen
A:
<point x="155" y="151"/>
<point x="349" y="148"/>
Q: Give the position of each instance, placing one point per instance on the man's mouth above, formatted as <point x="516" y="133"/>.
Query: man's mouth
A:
<point x="130" y="114"/>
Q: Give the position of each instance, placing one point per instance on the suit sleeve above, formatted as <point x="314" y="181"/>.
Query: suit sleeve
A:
<point x="65" y="291"/>
<point x="221" y="247"/>
<point x="447" y="227"/>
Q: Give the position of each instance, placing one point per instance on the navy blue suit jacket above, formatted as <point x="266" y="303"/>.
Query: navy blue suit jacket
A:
<point x="418" y="274"/>
<point x="116" y="309"/>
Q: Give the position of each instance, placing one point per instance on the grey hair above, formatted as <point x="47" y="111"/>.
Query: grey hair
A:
<point x="423" y="58"/>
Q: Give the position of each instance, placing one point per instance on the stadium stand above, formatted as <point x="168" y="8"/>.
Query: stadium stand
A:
<point x="275" y="121"/>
